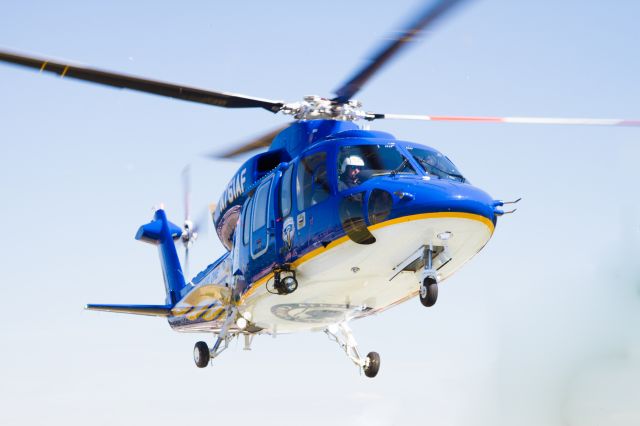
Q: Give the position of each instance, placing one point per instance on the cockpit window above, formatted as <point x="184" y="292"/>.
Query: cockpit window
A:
<point x="436" y="164"/>
<point x="359" y="163"/>
<point x="312" y="186"/>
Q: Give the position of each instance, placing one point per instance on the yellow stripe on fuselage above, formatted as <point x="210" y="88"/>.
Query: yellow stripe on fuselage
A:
<point x="195" y="314"/>
<point x="212" y="314"/>
<point x="441" y="215"/>
<point x="176" y="312"/>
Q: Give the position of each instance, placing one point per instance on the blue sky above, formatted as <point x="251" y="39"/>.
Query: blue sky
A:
<point x="539" y="328"/>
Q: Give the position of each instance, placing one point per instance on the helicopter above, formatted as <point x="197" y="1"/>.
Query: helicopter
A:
<point x="338" y="249"/>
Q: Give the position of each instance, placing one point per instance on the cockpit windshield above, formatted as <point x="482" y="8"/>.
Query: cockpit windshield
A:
<point x="436" y="164"/>
<point x="359" y="163"/>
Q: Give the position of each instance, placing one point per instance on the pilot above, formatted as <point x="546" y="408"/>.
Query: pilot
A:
<point x="350" y="172"/>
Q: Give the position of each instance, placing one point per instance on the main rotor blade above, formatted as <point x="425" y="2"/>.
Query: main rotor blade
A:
<point x="122" y="81"/>
<point x="513" y="120"/>
<point x="262" y="141"/>
<point x="392" y="47"/>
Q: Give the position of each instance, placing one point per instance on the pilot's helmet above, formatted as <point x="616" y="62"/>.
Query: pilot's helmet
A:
<point x="351" y="162"/>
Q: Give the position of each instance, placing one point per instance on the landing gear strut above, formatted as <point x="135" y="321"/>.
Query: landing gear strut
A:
<point x="421" y="262"/>
<point x="429" y="282"/>
<point x="202" y="355"/>
<point x="342" y="335"/>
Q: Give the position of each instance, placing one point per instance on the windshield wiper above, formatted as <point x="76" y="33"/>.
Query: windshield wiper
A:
<point x="428" y="166"/>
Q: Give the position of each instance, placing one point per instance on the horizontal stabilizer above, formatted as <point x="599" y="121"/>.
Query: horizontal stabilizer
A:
<point x="152" y="310"/>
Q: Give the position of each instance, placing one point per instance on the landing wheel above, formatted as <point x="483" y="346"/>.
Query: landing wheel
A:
<point x="429" y="292"/>
<point x="372" y="364"/>
<point x="201" y="354"/>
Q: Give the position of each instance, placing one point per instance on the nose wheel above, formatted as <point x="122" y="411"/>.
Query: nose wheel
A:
<point x="429" y="284"/>
<point x="429" y="292"/>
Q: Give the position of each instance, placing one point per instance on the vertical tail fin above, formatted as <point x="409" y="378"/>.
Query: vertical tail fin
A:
<point x="161" y="232"/>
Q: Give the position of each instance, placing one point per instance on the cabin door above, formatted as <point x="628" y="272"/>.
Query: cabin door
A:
<point x="261" y="220"/>
<point x="313" y="201"/>
<point x="285" y="224"/>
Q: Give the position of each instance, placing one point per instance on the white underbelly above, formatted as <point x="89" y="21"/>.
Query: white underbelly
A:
<point x="349" y="280"/>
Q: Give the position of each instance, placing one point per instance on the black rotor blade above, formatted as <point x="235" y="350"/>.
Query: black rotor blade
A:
<point x="261" y="141"/>
<point x="121" y="81"/>
<point x="392" y="47"/>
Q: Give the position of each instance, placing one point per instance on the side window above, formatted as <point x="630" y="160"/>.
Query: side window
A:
<point x="260" y="207"/>
<point x="312" y="186"/>
<point x="245" y="222"/>
<point x="285" y="192"/>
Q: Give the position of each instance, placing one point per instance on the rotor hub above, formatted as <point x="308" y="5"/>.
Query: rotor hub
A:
<point x="188" y="234"/>
<point x="316" y="107"/>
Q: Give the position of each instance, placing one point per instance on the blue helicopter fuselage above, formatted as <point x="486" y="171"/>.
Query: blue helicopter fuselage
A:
<point x="293" y="208"/>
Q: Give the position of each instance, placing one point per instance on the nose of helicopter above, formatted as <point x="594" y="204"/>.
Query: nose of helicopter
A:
<point x="420" y="196"/>
<point x="448" y="196"/>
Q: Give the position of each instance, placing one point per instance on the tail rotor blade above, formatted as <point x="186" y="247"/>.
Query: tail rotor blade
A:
<point x="186" y="191"/>
<point x="189" y="234"/>
<point x="190" y="229"/>
<point x="186" y="263"/>
<point x="201" y="223"/>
